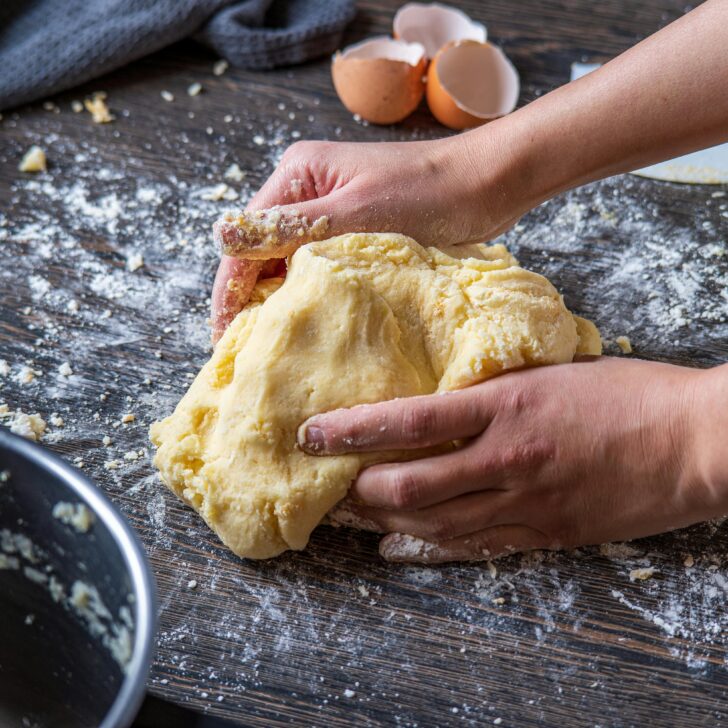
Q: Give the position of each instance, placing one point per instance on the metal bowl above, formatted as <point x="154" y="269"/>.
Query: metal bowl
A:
<point x="77" y="599"/>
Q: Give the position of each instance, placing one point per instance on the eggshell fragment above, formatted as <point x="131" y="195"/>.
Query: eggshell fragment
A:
<point x="469" y="83"/>
<point x="380" y="79"/>
<point x="434" y="25"/>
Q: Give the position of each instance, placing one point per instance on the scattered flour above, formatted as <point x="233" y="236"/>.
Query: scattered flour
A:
<point x="663" y="283"/>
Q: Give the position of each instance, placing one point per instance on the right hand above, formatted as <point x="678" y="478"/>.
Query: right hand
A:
<point x="431" y="191"/>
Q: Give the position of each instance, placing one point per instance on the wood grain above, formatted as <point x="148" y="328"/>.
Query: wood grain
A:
<point x="573" y="643"/>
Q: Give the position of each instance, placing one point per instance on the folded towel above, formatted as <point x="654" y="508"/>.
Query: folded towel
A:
<point x="48" y="46"/>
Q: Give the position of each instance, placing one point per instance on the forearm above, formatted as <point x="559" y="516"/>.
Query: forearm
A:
<point x="665" y="97"/>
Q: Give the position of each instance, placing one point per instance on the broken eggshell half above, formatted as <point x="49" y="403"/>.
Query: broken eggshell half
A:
<point x="434" y="25"/>
<point x="469" y="83"/>
<point x="381" y="79"/>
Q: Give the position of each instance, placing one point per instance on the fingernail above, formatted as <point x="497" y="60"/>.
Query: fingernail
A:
<point x="311" y="439"/>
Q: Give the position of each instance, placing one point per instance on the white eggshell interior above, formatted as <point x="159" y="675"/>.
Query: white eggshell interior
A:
<point x="388" y="48"/>
<point x="480" y="79"/>
<point x="433" y="25"/>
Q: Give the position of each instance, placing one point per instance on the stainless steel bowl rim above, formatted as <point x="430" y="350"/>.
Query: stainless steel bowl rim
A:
<point x="130" y="696"/>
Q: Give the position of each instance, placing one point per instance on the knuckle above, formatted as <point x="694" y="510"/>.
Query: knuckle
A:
<point x="304" y="150"/>
<point x="403" y="489"/>
<point x="526" y="455"/>
<point x="517" y="399"/>
<point x="296" y="149"/>
<point x="419" y="424"/>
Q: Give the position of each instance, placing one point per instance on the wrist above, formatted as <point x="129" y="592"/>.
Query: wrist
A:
<point x="511" y="165"/>
<point x="492" y="189"/>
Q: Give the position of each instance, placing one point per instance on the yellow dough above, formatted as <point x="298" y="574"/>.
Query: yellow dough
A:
<point x="360" y="318"/>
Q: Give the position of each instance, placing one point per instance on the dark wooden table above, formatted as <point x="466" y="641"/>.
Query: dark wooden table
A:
<point x="333" y="636"/>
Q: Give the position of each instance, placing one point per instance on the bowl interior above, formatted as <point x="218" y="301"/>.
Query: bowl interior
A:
<point x="71" y="588"/>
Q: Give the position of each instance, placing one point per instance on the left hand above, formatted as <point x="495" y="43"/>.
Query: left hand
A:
<point x="556" y="457"/>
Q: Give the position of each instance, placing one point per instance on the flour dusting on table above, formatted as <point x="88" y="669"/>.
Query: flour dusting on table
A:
<point x="84" y="305"/>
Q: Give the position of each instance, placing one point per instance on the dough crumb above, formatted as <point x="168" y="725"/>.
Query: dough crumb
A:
<point x="349" y="693"/>
<point x="218" y="192"/>
<point x="689" y="561"/>
<point x="134" y="262"/>
<point x="65" y="369"/>
<point x="96" y="106"/>
<point x="234" y="173"/>
<point x="168" y="96"/>
<point x="363" y="590"/>
<point x="76" y="106"/>
<point x="77" y="515"/>
<point x="127" y="418"/>
<point x="194" y="89"/>
<point x="220" y="67"/>
<point x="34" y="160"/>
<point x="26" y="375"/>
<point x="192" y="584"/>
<point x="624" y="344"/>
<point x="32" y="427"/>
<point x="619" y="551"/>
<point x="296" y="189"/>
<point x="642" y="574"/>
<point x="106" y="440"/>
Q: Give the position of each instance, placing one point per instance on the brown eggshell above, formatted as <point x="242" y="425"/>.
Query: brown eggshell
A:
<point x="435" y="25"/>
<point x="381" y="80"/>
<point x="469" y="83"/>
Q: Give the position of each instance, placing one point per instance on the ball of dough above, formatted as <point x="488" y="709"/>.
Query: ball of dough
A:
<point x="360" y="318"/>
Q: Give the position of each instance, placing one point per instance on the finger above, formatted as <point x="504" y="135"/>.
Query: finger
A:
<point x="399" y="424"/>
<point x="456" y="517"/>
<point x="490" y="543"/>
<point x="276" y="232"/>
<point x="233" y="285"/>
<point x="287" y="185"/>
<point x="348" y="513"/>
<point x="421" y="483"/>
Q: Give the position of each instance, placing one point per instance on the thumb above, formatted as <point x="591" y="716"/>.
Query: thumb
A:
<point x="233" y="285"/>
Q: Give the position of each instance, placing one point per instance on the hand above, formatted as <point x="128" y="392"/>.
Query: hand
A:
<point x="556" y="457"/>
<point x="426" y="190"/>
<point x="641" y="108"/>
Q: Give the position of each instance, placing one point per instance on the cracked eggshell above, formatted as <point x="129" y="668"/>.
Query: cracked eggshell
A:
<point x="380" y="79"/>
<point x="434" y="25"/>
<point x="469" y="83"/>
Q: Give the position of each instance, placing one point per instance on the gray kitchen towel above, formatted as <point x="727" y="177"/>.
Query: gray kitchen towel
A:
<point x="48" y="46"/>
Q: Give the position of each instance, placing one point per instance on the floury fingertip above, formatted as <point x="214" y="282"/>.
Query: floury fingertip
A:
<point x="402" y="547"/>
